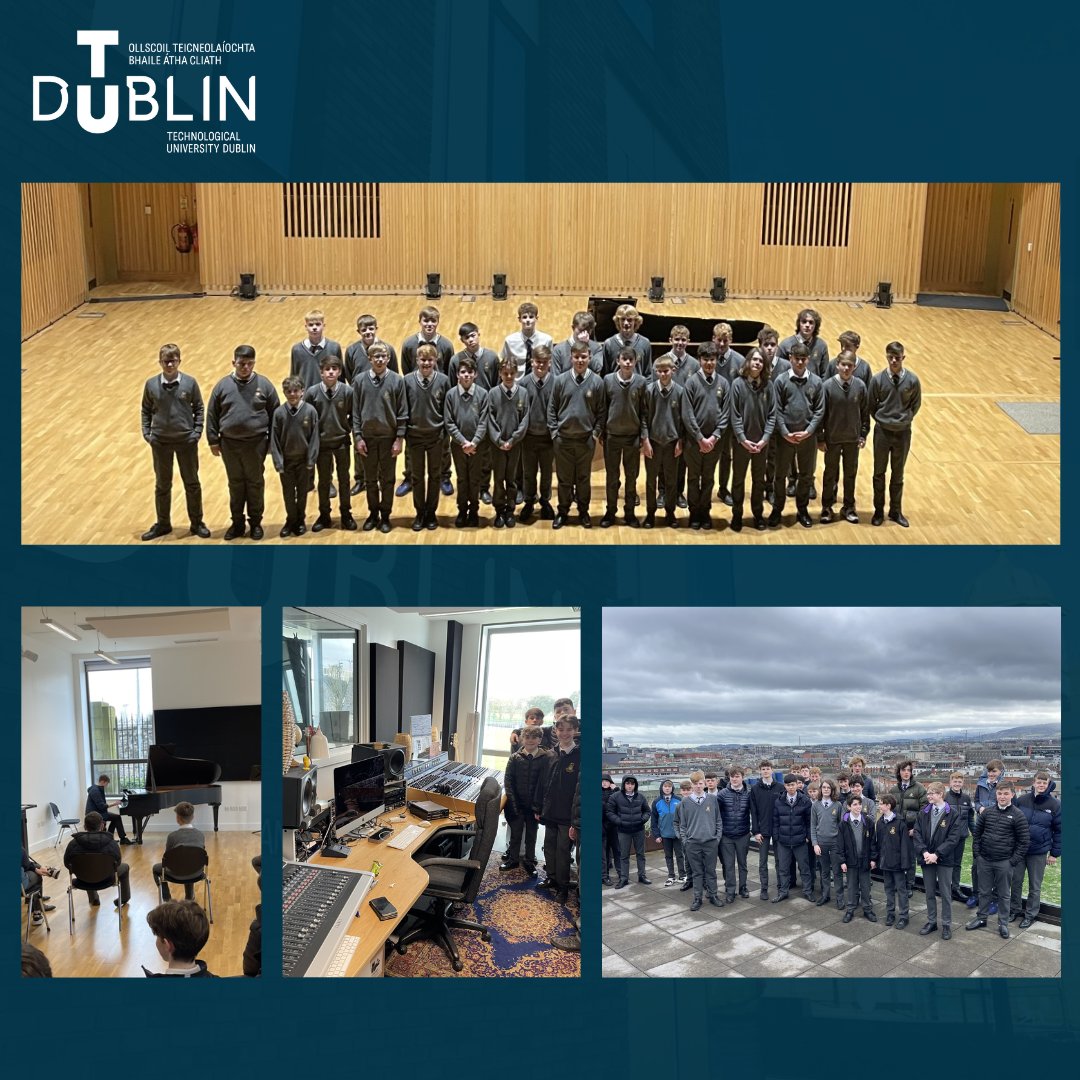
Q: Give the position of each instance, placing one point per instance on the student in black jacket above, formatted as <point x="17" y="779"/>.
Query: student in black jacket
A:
<point x="939" y="835"/>
<point x="762" y="797"/>
<point x="856" y="854"/>
<point x="628" y="811"/>
<point x="791" y="829"/>
<point x="556" y="815"/>
<point x="1000" y="843"/>
<point x="964" y="805"/>
<point x="97" y="803"/>
<point x="892" y="846"/>
<point x="526" y="772"/>
<point x="609" y="834"/>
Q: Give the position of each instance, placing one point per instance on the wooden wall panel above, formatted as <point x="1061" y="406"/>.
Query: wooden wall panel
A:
<point x="565" y="237"/>
<point x="956" y="238"/>
<point x="144" y="244"/>
<point x="1037" y="278"/>
<point x="53" y="262"/>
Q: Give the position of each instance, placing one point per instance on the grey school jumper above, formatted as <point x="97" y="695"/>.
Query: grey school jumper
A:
<point x="466" y="422"/>
<point x="414" y="341"/>
<point x="172" y="423"/>
<point x="560" y="357"/>
<point x="623" y="431"/>
<point x="304" y="361"/>
<point x="704" y="416"/>
<point x="537" y="450"/>
<point x="335" y="438"/>
<point x="380" y="415"/>
<point x="893" y="406"/>
<point x="507" y="422"/>
<point x="817" y="362"/>
<point x="426" y="438"/>
<point x="847" y="420"/>
<point x="641" y="346"/>
<point x="576" y="415"/>
<point x="663" y="419"/>
<point x="294" y="436"/>
<point x="357" y="362"/>
<point x="800" y="406"/>
<point x="487" y="367"/>
<point x="698" y="826"/>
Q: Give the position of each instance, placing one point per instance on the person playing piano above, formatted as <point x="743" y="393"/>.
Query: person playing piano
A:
<point x="97" y="803"/>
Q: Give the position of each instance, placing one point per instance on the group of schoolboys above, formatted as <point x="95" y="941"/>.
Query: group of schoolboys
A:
<point x="509" y="422"/>
<point x="838" y="832"/>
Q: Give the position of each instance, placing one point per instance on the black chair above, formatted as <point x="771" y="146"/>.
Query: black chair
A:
<point x="33" y="900"/>
<point x="185" y="865"/>
<point x="456" y="881"/>
<point x="92" y="871"/>
<point x="69" y="823"/>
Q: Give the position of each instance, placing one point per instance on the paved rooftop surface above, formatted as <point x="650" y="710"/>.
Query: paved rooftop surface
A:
<point x="649" y="930"/>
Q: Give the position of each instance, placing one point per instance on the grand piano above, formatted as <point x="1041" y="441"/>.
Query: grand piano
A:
<point x="171" y="779"/>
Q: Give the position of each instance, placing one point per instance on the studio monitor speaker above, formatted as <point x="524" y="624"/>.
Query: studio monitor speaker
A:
<point x="298" y="798"/>
<point x="393" y="757"/>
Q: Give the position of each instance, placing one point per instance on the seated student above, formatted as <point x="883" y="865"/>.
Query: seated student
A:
<point x="525" y="777"/>
<point x="856" y="853"/>
<point x="1043" y="813"/>
<point x="791" y="828"/>
<point x="537" y="451"/>
<point x="294" y="450"/>
<point x="705" y="419"/>
<point x="558" y="793"/>
<point x="663" y="830"/>
<point x="507" y="421"/>
<point x="425" y="437"/>
<point x="627" y="810"/>
<point x="97" y="803"/>
<point x="753" y="417"/>
<point x="332" y="399"/>
<point x="519" y="345"/>
<point x="842" y="435"/>
<point x="698" y="826"/>
<point x="306" y="354"/>
<point x="662" y="445"/>
<point x="35" y="964"/>
<point x="95" y="840"/>
<point x="581" y="329"/>
<point x="32" y="874"/>
<point x="627" y="322"/>
<point x="939" y="830"/>
<point x="184" y="835"/>
<point x="180" y="929"/>
<point x="891" y="843"/>
<point x="624" y="431"/>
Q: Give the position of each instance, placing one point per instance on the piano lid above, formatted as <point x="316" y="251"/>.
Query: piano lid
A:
<point x="167" y="769"/>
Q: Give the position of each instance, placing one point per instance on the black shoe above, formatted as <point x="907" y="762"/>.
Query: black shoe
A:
<point x="446" y="487"/>
<point x="322" y="523"/>
<point x="850" y="516"/>
<point x="606" y="881"/>
<point x="200" y="530"/>
<point x="695" y="524"/>
<point x="473" y="520"/>
<point x="418" y="523"/>
<point x="780" y="896"/>
<point x="813" y="492"/>
<point x="827" y="516"/>
<point x="686" y="886"/>
<point x="509" y="864"/>
<point x="929" y="928"/>
<point x="696" y="905"/>
<point x="790" y="488"/>
<point x="660" y="502"/>
<point x="157" y="530"/>
<point x="898" y="517"/>
<point x="736" y="524"/>
<point x="890" y="919"/>
<point x="764" y="894"/>
<point x="670" y="522"/>
<point x="725" y="498"/>
<point x="958" y="895"/>
<point x="803" y="518"/>
<point x="759" y="524"/>
<point x="126" y="841"/>
<point x="586" y="521"/>
<point x="878" y="518"/>
<point x="607" y="520"/>
<point x="384" y="525"/>
<point x="257" y="532"/>
<point x="1026" y="921"/>
<point x="744" y="893"/>
<point x="371" y="522"/>
<point x="546" y="512"/>
<point x="485" y="497"/>
<point x="715" y="902"/>
<point x="333" y="489"/>
<point x="975" y="924"/>
<point x="839" y="903"/>
<point x="680" y="502"/>
<point x="348" y="523"/>
<point x="707" y="523"/>
<point x="775" y="520"/>
<point x="643" y="880"/>
<point x="946" y="933"/>
<point x="356" y="489"/>
<point x="650" y="521"/>
<point x="234" y="532"/>
<point x="526" y="514"/>
<point x="1014" y="916"/>
<point x="286" y="532"/>
<point x="1003" y="930"/>
<point x="558" y="522"/>
<point x="459" y="521"/>
<point x="630" y="518"/>
<point x="848" y="916"/>
<point x="431" y="522"/>
<point x="621" y="884"/>
<point x="116" y="903"/>
<point x="508" y="520"/>
<point x="498" y="522"/>
<point x="562" y="896"/>
<point x="519" y="498"/>
<point x="823" y="901"/>
<point x="902" y="923"/>
<point x="729" y="898"/>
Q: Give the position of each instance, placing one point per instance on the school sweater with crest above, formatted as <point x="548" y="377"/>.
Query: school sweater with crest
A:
<point x="641" y="346"/>
<point x="305" y="363"/>
<point x="682" y="371"/>
<point x="507" y="414"/>
<point x="892" y="406"/>
<point x="663" y="413"/>
<point x="818" y="360"/>
<point x="560" y="357"/>
<point x="698" y="822"/>
<point x="625" y="406"/>
<point x="539" y="397"/>
<point x="414" y="341"/>
<point x="847" y="412"/>
<point x="335" y="414"/>
<point x="577" y="410"/>
<point x="729" y="365"/>
<point x="800" y="403"/>
<point x="465" y="420"/>
<point x="172" y="416"/>
<point x="379" y="408"/>
<point x="294" y="436"/>
<point x="425" y="405"/>
<point x="240" y="410"/>
<point x="753" y="411"/>
<point x="705" y="411"/>
<point x="487" y="367"/>
<point x="862" y="369"/>
<point x="357" y="362"/>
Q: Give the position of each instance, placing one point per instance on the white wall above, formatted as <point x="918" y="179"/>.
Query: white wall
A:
<point x="207" y="676"/>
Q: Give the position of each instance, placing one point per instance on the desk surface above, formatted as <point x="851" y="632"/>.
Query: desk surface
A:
<point x="401" y="880"/>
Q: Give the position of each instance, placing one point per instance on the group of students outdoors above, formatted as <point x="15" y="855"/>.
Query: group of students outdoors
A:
<point x="829" y="834"/>
<point x="510" y="422"/>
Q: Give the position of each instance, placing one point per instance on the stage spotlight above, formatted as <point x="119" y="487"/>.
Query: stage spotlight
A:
<point x="884" y="294"/>
<point x="656" y="290"/>
<point x="434" y="287"/>
<point x="498" y="286"/>
<point x="247" y="290"/>
<point x="719" y="290"/>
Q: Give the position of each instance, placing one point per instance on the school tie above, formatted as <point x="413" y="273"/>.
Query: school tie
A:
<point x="846" y="386"/>
<point x="528" y="349"/>
<point x="937" y="817"/>
<point x="424" y="383"/>
<point x="315" y="349"/>
<point x="579" y="379"/>
<point x="539" y="384"/>
<point x="172" y="385"/>
<point x="896" y="380"/>
<point x="799" y="381"/>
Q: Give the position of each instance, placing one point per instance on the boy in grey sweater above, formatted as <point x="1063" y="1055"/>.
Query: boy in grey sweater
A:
<point x="294" y="449"/>
<point x="895" y="396"/>
<point x="697" y="823"/>
<point x="380" y="416"/>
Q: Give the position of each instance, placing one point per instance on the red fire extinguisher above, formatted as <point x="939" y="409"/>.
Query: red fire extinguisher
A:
<point x="183" y="237"/>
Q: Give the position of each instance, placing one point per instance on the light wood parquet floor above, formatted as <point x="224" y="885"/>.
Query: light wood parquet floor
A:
<point x="974" y="476"/>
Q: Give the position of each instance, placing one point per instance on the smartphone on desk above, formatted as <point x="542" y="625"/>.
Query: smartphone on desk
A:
<point x="383" y="908"/>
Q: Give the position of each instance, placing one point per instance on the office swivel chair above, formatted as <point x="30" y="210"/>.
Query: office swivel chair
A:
<point x="186" y="865"/>
<point x="69" y="823"/>
<point x="92" y="871"/>
<point x="456" y="881"/>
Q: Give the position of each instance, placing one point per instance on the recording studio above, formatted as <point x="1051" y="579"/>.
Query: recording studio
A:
<point x="397" y="728"/>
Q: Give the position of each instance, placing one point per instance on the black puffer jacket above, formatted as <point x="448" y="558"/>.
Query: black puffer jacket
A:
<point x="628" y="814"/>
<point x="734" y="811"/>
<point x="761" y="806"/>
<point x="791" y="824"/>
<point x="83" y="842"/>
<point x="524" y="783"/>
<point x="1001" y="834"/>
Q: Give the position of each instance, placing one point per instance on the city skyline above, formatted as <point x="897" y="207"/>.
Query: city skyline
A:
<point x="826" y="675"/>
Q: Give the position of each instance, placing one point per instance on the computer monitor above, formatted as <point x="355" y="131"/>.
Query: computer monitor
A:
<point x="358" y="795"/>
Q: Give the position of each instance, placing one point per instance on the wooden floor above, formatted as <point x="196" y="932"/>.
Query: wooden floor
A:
<point x="98" y="950"/>
<point x="974" y="476"/>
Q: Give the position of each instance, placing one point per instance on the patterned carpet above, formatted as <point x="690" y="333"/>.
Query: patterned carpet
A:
<point x="522" y="920"/>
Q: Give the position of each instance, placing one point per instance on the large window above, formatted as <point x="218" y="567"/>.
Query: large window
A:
<point x="120" y="705"/>
<point x="522" y="666"/>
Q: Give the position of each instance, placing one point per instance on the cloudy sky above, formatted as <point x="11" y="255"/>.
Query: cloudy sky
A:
<point x="685" y="676"/>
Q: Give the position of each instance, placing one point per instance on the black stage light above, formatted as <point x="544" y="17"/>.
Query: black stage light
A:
<point x="498" y="286"/>
<point x="434" y="287"/>
<point x="719" y="290"/>
<point x="656" y="290"/>
<point x="247" y="290"/>
<point x="884" y="294"/>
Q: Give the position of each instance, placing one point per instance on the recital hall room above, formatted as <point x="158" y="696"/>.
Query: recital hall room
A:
<point x="431" y="766"/>
<point x="141" y="791"/>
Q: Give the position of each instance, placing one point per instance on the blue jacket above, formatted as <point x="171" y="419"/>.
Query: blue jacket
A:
<point x="791" y="824"/>
<point x="1043" y="813"/>
<point x="984" y="795"/>
<point x="663" y="817"/>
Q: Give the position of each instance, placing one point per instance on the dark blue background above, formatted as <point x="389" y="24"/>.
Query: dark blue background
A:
<point x="624" y="90"/>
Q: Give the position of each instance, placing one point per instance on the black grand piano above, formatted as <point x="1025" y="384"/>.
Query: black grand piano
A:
<point x="170" y="780"/>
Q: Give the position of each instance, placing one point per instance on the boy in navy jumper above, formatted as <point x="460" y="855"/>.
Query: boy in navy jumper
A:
<point x="624" y="432"/>
<point x="895" y="397"/>
<point x="891" y="856"/>
<point x="856" y="844"/>
<point x="380" y="417"/>
<point x="294" y="449"/>
<point x="662" y="445"/>
<point x="425" y="437"/>
<point x="172" y="423"/>
<point x="800" y="408"/>
<point x="238" y="419"/>
<point x="465" y="417"/>
<point x="537" y="450"/>
<point x="507" y="422"/>
<point x="306" y="354"/>
<point x="842" y="435"/>
<point x="333" y="401"/>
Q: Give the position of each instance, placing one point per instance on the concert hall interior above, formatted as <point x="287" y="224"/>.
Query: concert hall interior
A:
<point x="166" y="702"/>
<point x="397" y="729"/>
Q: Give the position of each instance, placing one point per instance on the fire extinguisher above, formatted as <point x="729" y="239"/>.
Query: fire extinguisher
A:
<point x="183" y="237"/>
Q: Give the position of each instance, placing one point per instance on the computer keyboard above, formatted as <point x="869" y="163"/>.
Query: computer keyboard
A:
<point x="406" y="837"/>
<point x="339" y="962"/>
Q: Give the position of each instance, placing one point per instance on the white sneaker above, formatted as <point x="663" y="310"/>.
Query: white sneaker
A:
<point x="670" y="881"/>
<point x="682" y="879"/>
<point x="37" y="918"/>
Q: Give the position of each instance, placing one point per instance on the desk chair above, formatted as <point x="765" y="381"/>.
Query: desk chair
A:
<point x="92" y="871"/>
<point x="32" y="898"/>
<point x="69" y="823"/>
<point x="456" y="880"/>
<point x="186" y="865"/>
